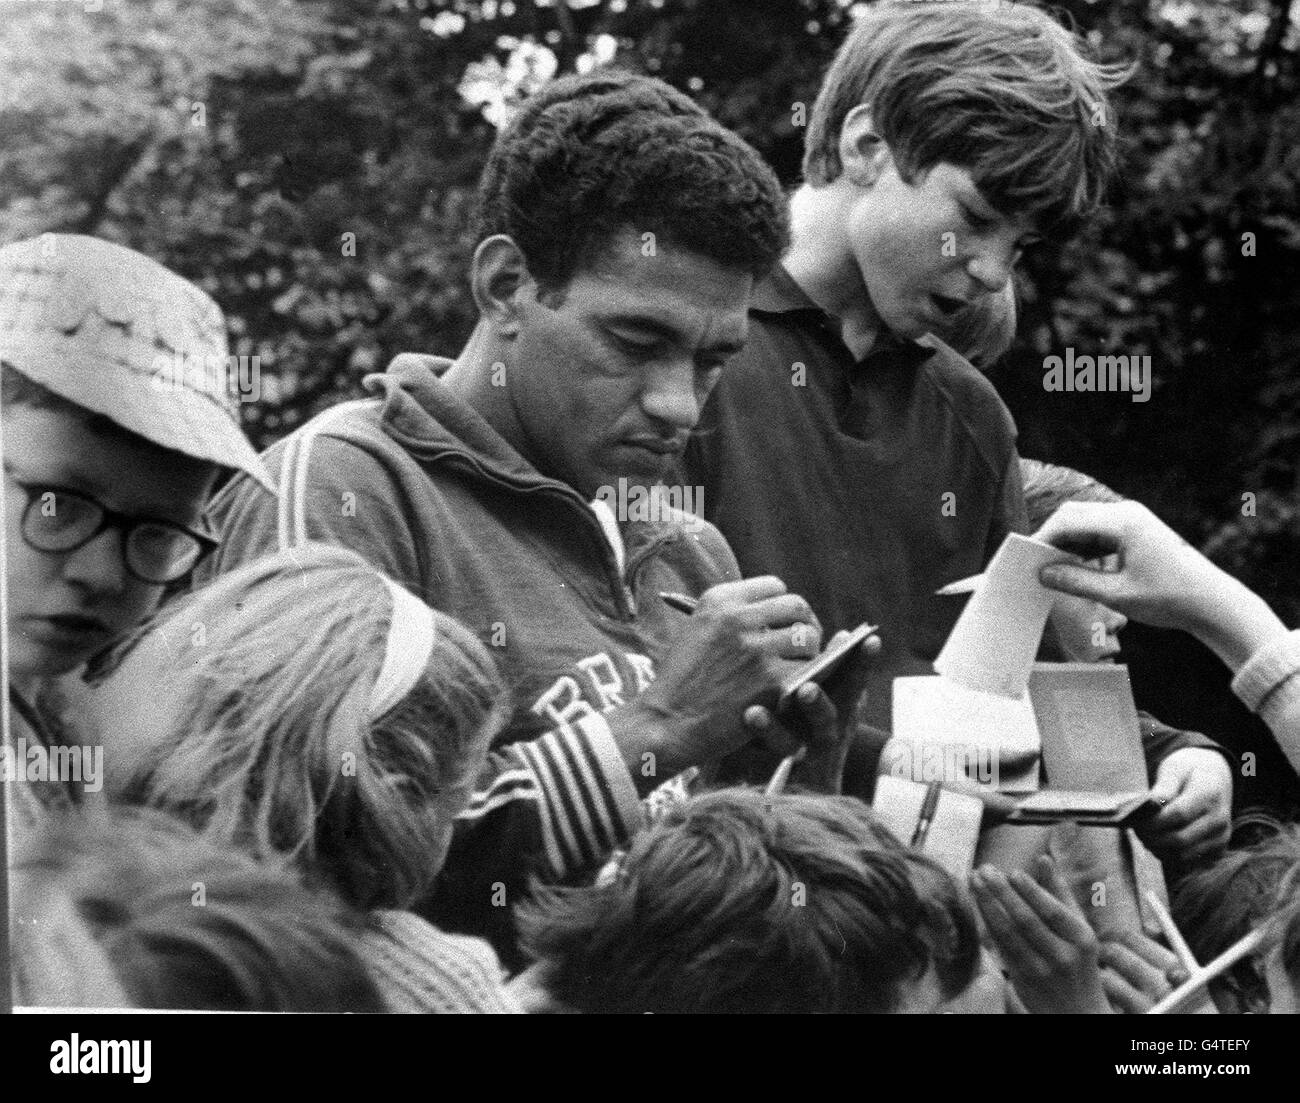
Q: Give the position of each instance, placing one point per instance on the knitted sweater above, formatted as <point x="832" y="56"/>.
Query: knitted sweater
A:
<point x="419" y="969"/>
<point x="1269" y="684"/>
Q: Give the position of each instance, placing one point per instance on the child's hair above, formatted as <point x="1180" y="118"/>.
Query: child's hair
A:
<point x="1001" y="90"/>
<point x="137" y="910"/>
<point x="735" y="901"/>
<point x="1220" y="904"/>
<point x="1291" y="938"/>
<point x="276" y="748"/>
<point x="17" y="390"/>
<point x="1049" y="486"/>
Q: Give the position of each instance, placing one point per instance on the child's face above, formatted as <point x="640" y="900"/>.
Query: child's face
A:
<point x="1088" y="630"/>
<point x="928" y="249"/>
<point x="64" y="606"/>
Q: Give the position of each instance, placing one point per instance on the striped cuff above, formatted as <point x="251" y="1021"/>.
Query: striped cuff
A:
<point x="589" y="804"/>
<point x="1266" y="670"/>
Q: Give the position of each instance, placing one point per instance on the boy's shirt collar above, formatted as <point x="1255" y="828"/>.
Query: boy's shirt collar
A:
<point x="780" y="294"/>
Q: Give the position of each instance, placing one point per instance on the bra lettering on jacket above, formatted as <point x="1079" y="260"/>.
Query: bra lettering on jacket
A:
<point x="598" y="679"/>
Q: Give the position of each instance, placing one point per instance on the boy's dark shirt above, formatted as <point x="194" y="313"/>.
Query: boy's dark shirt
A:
<point x="867" y="487"/>
<point x="1159" y="741"/>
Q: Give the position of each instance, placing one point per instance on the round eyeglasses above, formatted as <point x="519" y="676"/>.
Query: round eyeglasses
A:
<point x="57" y="519"/>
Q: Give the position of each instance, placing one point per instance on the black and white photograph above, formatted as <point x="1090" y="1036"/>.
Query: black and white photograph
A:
<point x="651" y="507"/>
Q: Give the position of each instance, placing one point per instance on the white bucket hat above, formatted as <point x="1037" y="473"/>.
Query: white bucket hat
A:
<point x="114" y="332"/>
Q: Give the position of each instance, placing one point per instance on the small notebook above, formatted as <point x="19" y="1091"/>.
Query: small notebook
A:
<point x="942" y="729"/>
<point x="1091" y="809"/>
<point x="953" y="831"/>
<point x="1092" y="747"/>
<point x="1088" y="725"/>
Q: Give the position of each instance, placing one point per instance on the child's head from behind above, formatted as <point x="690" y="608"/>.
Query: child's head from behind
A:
<point x="303" y="705"/>
<point x="1282" y="962"/>
<point x="1087" y="630"/>
<point x="1221" y="903"/>
<point x="736" y="901"/>
<point x="114" y="399"/>
<point x="137" y="910"/>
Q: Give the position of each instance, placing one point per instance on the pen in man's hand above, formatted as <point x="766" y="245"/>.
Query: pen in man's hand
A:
<point x="681" y="602"/>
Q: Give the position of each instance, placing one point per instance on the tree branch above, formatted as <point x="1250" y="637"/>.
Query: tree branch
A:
<point x="118" y="168"/>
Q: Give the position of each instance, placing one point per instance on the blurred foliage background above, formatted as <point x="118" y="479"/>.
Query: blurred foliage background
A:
<point x="311" y="163"/>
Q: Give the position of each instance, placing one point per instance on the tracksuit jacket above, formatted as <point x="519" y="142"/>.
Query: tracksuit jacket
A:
<point x="419" y="484"/>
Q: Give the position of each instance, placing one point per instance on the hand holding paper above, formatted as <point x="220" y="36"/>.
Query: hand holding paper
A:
<point x="993" y="645"/>
<point x="1004" y="712"/>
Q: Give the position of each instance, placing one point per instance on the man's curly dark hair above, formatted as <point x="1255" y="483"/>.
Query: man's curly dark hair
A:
<point x="588" y="156"/>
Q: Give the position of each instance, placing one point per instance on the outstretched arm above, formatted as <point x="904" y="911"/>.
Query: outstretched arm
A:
<point x="1163" y="581"/>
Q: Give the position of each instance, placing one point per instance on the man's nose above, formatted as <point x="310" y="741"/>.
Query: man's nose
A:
<point x="669" y="395"/>
<point x="100" y="565"/>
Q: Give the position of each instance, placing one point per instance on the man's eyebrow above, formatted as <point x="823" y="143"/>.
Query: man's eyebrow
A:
<point x="641" y="322"/>
<point x="724" y="347"/>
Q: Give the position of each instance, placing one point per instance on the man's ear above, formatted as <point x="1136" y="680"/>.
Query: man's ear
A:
<point x="863" y="152"/>
<point x="498" y="276"/>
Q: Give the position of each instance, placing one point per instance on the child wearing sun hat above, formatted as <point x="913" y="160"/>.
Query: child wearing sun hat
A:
<point x="117" y="420"/>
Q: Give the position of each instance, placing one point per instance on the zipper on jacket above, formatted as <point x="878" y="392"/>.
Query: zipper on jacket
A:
<point x="424" y="450"/>
<point x="624" y="600"/>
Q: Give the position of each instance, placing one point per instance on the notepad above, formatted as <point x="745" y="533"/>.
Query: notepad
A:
<point x="1090" y="809"/>
<point x="993" y="644"/>
<point x="1088" y="724"/>
<point x="942" y="729"/>
<point x="954" y="829"/>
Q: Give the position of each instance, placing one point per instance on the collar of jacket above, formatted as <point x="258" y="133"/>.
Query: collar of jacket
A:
<point x="434" y="424"/>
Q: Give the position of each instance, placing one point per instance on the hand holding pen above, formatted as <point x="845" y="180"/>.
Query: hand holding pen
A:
<point x="821" y="746"/>
<point x="743" y="639"/>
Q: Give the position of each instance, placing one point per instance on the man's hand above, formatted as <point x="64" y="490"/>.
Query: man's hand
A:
<point x="742" y="641"/>
<point x="1049" y="950"/>
<point x="1194" y="788"/>
<point x="814" y="721"/>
